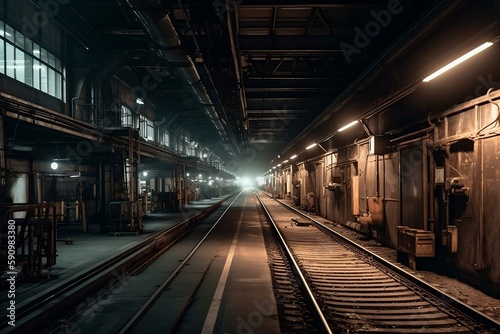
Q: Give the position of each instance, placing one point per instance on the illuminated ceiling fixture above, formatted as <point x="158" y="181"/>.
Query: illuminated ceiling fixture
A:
<point x="458" y="61"/>
<point x="145" y="173"/>
<point x="293" y="156"/>
<point x="54" y="165"/>
<point x="347" y="126"/>
<point x="311" y="146"/>
<point x="284" y="162"/>
<point x="139" y="101"/>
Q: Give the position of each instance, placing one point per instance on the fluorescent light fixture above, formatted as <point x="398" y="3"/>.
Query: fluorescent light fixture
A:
<point x="139" y="101"/>
<point x="311" y="146"/>
<point x="284" y="162"/>
<point x="347" y="126"/>
<point x="458" y="61"/>
<point x="293" y="156"/>
<point x="54" y="165"/>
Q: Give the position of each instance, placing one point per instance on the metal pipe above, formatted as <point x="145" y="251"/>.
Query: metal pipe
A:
<point x="480" y="235"/>
<point x="159" y="27"/>
<point x="377" y="172"/>
<point x="425" y="186"/>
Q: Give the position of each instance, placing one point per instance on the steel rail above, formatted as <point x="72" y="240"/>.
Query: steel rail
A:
<point x="30" y="314"/>
<point x="474" y="314"/>
<point x="308" y="294"/>
<point x="154" y="297"/>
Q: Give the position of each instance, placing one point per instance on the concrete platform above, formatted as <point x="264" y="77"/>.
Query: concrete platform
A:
<point x="232" y="286"/>
<point x="92" y="247"/>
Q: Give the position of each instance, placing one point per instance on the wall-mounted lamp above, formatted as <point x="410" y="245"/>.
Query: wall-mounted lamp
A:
<point x="311" y="146"/>
<point x="54" y="165"/>
<point x="347" y="126"/>
<point x="139" y="101"/>
<point x="144" y="173"/>
<point x="458" y="61"/>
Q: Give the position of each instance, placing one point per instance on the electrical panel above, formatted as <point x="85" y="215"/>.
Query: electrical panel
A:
<point x="379" y="145"/>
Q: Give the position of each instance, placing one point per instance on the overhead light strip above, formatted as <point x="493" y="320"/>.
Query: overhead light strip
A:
<point x="458" y="61"/>
<point x="347" y="126"/>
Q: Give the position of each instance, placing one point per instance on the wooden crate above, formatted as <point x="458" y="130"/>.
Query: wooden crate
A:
<point x="419" y="243"/>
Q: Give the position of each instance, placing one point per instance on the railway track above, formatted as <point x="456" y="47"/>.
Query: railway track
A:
<point x="41" y="311"/>
<point x="359" y="292"/>
<point x="323" y="283"/>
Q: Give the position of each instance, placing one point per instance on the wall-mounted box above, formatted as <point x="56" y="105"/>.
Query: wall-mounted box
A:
<point x="379" y="145"/>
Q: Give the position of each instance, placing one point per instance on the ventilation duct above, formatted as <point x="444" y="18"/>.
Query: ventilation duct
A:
<point x="153" y="17"/>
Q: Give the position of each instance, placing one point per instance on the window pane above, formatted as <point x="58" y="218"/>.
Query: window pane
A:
<point x="58" y="86"/>
<point x="43" y="78"/>
<point x="43" y="55"/>
<point x="28" y="73"/>
<point x="36" y="74"/>
<point x="58" y="64"/>
<point x="2" y="29"/>
<point x="19" y="65"/>
<point x="9" y="60"/>
<point x="2" y="56"/>
<point x="36" y="50"/>
<point x="28" y="45"/>
<point x="52" y="82"/>
<point x="9" y="33"/>
<point x="52" y="59"/>
<point x="19" y="39"/>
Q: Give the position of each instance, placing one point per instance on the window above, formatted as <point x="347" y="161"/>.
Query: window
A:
<point x="127" y="119"/>
<point x="27" y="62"/>
<point x="146" y="128"/>
<point x="165" y="139"/>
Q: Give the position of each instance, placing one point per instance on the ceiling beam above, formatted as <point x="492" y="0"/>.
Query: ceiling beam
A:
<point x="347" y="4"/>
<point x="289" y="44"/>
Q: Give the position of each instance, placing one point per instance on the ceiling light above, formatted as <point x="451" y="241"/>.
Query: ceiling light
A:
<point x="54" y="165"/>
<point x="458" y="61"/>
<point x="144" y="173"/>
<point x="347" y="126"/>
<point x="293" y="156"/>
<point x="311" y="146"/>
<point x="139" y="101"/>
<point x="285" y="161"/>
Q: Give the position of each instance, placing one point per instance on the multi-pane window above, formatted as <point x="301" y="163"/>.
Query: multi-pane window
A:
<point x="146" y="128"/>
<point x="165" y="139"/>
<point x="127" y="119"/>
<point x="26" y="61"/>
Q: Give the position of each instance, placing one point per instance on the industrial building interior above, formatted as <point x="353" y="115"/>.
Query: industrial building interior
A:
<point x="158" y="103"/>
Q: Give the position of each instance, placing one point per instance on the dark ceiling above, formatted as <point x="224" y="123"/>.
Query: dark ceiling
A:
<point x="268" y="69"/>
